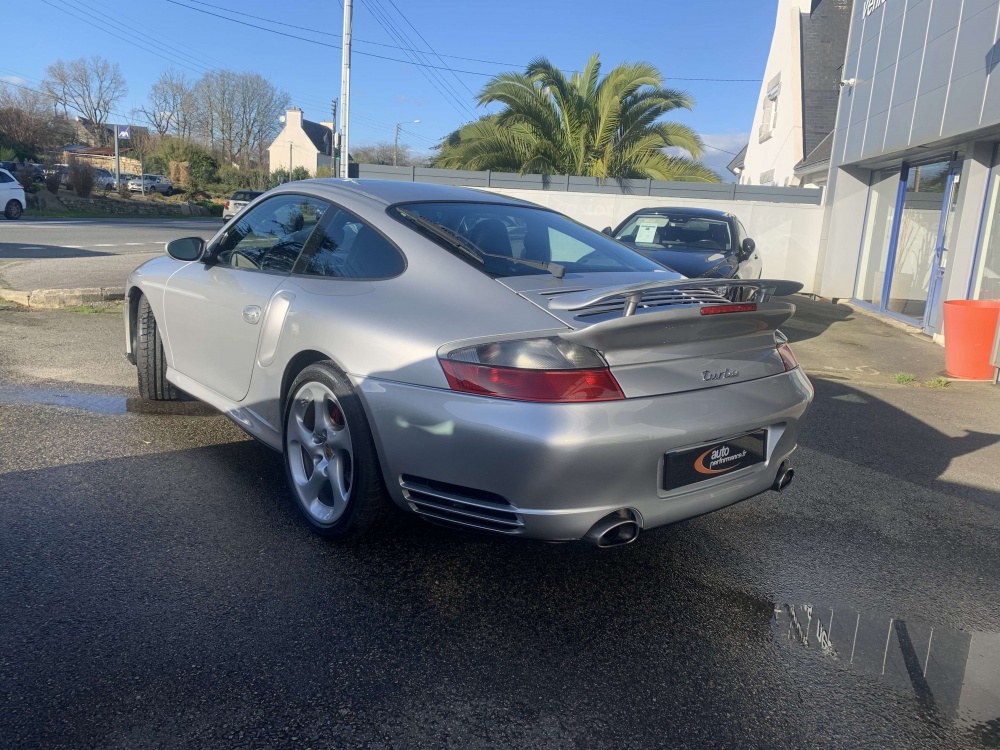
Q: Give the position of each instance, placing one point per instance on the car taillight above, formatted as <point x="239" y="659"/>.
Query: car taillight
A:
<point x="787" y="357"/>
<point x="227" y="205"/>
<point x="723" y="309"/>
<point x="543" y="370"/>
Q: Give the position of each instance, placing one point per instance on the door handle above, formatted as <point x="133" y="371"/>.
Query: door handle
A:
<point x="251" y="314"/>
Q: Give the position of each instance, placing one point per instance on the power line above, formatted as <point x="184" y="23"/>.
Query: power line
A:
<point x="440" y="84"/>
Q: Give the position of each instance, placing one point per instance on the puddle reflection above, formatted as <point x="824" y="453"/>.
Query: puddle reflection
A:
<point x="100" y="404"/>
<point x="951" y="673"/>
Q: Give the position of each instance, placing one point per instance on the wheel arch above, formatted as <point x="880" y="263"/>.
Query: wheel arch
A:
<point x="132" y="297"/>
<point x="296" y="365"/>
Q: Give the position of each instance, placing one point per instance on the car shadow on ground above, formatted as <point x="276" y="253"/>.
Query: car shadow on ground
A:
<point x="856" y="427"/>
<point x="813" y="317"/>
<point x="29" y="251"/>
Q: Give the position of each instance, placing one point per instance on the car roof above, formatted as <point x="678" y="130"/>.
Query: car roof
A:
<point x="399" y="191"/>
<point x="707" y="213"/>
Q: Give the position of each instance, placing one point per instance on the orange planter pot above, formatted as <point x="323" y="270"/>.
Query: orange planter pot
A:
<point x="969" y="328"/>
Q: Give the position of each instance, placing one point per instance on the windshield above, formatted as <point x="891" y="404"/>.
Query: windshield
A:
<point x="677" y="231"/>
<point x="507" y="238"/>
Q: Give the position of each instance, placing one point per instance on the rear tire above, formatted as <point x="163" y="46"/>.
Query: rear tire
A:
<point x="150" y="360"/>
<point x="13" y="210"/>
<point x="330" y="460"/>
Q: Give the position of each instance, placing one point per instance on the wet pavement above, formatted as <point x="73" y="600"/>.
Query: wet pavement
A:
<point x="158" y="590"/>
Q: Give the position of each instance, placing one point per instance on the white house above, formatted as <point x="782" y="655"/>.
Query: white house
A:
<point x="797" y="108"/>
<point x="302" y="143"/>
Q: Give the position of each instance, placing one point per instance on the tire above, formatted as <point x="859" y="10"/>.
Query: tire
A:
<point x="326" y="430"/>
<point x="13" y="210"/>
<point x="150" y="360"/>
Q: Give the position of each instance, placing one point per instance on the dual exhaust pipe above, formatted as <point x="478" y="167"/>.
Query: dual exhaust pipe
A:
<point x="622" y="526"/>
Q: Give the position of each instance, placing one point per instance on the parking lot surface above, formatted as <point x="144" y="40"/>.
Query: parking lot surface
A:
<point x="157" y="588"/>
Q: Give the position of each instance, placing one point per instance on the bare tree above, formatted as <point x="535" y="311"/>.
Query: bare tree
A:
<point x="170" y="108"/>
<point x="28" y="117"/>
<point x="381" y="153"/>
<point x="90" y="86"/>
<point x="237" y="114"/>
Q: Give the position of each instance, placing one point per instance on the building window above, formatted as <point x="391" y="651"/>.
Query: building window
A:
<point x="878" y="232"/>
<point x="769" y="118"/>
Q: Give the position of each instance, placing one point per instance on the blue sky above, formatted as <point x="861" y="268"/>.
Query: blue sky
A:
<point x="724" y="39"/>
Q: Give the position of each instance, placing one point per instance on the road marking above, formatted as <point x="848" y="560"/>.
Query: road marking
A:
<point x="105" y="245"/>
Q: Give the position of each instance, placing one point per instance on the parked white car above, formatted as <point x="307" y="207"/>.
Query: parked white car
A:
<point x="150" y="183"/>
<point x="11" y="196"/>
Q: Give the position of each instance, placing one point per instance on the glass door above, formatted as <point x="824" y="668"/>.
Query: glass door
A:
<point x="907" y="232"/>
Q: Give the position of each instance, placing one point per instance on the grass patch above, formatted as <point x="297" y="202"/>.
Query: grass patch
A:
<point x="113" y="308"/>
<point x="904" y="377"/>
<point x="938" y="382"/>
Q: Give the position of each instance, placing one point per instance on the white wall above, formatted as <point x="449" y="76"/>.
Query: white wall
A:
<point x="783" y="150"/>
<point x="787" y="234"/>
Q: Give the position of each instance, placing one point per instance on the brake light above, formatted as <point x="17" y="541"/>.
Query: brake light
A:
<point x="227" y="205"/>
<point x="550" y="370"/>
<point x="787" y="357"/>
<point x="723" y="309"/>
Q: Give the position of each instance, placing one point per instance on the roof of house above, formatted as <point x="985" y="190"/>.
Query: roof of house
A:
<point x="739" y="161"/>
<point x="824" y="32"/>
<point x="320" y="135"/>
<point x="818" y="157"/>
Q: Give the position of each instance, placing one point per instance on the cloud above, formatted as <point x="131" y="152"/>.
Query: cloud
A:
<point x="16" y="80"/>
<point x="720" y="149"/>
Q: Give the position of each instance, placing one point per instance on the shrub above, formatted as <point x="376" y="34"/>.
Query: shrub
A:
<point x="53" y="179"/>
<point x="26" y="176"/>
<point x="324" y="171"/>
<point x="278" y="176"/>
<point x="300" y="173"/>
<point x="83" y="178"/>
<point x="124" y="192"/>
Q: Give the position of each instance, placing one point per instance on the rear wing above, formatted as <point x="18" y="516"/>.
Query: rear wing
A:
<point x="753" y="290"/>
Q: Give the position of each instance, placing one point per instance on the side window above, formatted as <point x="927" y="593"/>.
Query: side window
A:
<point x="4" y="177"/>
<point x="347" y="248"/>
<point x="271" y="236"/>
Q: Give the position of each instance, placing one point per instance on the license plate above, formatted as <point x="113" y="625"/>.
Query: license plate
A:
<point x="694" y="465"/>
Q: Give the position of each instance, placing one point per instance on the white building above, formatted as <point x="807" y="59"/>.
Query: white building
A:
<point x="797" y="107"/>
<point x="302" y="143"/>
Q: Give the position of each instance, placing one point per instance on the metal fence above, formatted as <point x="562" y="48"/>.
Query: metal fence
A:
<point x="506" y="180"/>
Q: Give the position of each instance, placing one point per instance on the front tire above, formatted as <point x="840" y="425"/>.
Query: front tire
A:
<point x="330" y="459"/>
<point x="13" y="210"/>
<point x="150" y="360"/>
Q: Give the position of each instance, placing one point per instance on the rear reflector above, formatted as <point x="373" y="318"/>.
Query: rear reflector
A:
<point x="723" y="309"/>
<point x="552" y="386"/>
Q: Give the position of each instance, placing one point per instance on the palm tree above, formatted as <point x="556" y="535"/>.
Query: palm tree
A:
<point x="583" y="125"/>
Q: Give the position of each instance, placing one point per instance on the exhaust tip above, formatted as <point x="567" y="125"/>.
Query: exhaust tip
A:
<point x="784" y="476"/>
<point x="616" y="529"/>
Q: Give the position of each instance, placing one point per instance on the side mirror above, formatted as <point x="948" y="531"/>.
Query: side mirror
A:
<point x="748" y="247"/>
<point x="608" y="231"/>
<point x="186" y="249"/>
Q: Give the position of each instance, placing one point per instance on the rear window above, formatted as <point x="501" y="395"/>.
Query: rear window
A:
<point x="244" y="195"/>
<point x="502" y="235"/>
<point x="677" y="231"/>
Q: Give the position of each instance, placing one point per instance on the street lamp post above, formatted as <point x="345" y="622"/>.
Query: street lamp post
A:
<point x="395" y="145"/>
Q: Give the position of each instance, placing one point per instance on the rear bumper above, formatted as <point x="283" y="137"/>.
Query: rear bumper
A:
<point x="550" y="471"/>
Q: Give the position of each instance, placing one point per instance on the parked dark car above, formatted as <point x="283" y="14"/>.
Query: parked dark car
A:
<point x="696" y="242"/>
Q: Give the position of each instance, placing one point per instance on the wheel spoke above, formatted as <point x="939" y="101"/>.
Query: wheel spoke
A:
<point x="301" y="433"/>
<point x="338" y="481"/>
<point x="312" y="486"/>
<point x="339" y="439"/>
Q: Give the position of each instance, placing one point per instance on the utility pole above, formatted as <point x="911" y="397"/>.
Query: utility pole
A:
<point x="395" y="145"/>
<point x="118" y="170"/>
<point x="334" y="164"/>
<point x="345" y="92"/>
<point x="289" y="161"/>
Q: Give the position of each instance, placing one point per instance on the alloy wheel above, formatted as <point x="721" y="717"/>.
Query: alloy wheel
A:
<point x="319" y="452"/>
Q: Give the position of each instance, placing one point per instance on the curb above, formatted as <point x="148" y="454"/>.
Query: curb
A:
<point x="57" y="299"/>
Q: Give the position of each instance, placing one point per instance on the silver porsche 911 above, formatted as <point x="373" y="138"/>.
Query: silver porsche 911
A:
<point x="477" y="360"/>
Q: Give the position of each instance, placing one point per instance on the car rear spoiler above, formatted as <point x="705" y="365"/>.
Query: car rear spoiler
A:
<point x="757" y="290"/>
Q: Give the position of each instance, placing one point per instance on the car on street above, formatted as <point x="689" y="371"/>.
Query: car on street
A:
<point x="239" y="200"/>
<point x="696" y="242"/>
<point x="480" y="361"/>
<point x="151" y="183"/>
<point x="11" y="195"/>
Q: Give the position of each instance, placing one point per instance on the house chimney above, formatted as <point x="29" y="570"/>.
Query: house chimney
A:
<point x="293" y="116"/>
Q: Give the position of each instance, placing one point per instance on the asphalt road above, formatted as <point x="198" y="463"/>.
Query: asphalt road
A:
<point x="157" y="589"/>
<point x="58" y="254"/>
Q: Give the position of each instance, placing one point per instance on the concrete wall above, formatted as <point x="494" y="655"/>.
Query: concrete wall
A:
<point x="787" y="235"/>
